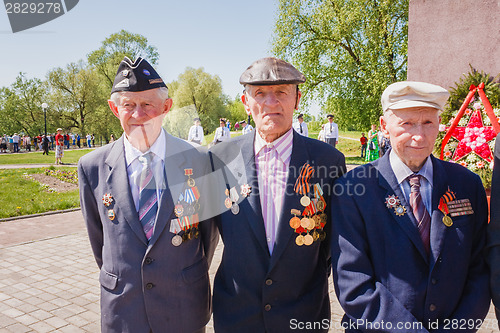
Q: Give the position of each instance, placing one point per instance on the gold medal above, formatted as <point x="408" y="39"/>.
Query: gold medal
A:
<point x="320" y="205"/>
<point x="299" y="240"/>
<point x="295" y="222"/>
<point x="311" y="224"/>
<point x="111" y="214"/>
<point x="178" y="210"/>
<point x="305" y="201"/>
<point x="176" y="240"/>
<point x="228" y="203"/>
<point x="191" y="182"/>
<point x="315" y="235"/>
<point x="317" y="221"/>
<point x="196" y="232"/>
<point x="323" y="217"/>
<point x="304" y="223"/>
<point x="447" y="221"/>
<point x="308" y="240"/>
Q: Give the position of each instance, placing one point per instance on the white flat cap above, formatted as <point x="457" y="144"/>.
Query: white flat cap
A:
<point x="410" y="94"/>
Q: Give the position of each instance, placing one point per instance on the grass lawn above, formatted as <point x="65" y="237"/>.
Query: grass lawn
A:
<point x="70" y="156"/>
<point x="22" y="196"/>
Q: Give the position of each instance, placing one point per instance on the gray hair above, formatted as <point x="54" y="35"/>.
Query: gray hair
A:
<point x="162" y="93"/>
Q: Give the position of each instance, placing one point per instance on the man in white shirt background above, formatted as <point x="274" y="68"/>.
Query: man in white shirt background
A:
<point x="222" y="133"/>
<point x="246" y="128"/>
<point x="331" y="131"/>
<point x="300" y="126"/>
<point x="196" y="132"/>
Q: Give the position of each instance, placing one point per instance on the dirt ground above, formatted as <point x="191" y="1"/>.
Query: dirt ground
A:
<point x="53" y="182"/>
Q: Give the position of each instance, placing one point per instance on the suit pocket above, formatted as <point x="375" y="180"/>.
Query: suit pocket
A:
<point x="195" y="272"/>
<point x="108" y="280"/>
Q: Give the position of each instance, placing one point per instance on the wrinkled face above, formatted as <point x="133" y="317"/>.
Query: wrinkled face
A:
<point x="412" y="132"/>
<point x="271" y="107"/>
<point x="141" y="115"/>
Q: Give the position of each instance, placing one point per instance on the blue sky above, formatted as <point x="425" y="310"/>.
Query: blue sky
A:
<point x="222" y="36"/>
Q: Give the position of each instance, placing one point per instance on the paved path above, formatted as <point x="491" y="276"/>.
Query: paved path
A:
<point x="49" y="280"/>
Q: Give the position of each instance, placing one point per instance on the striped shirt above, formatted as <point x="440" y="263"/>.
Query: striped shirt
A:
<point x="272" y="161"/>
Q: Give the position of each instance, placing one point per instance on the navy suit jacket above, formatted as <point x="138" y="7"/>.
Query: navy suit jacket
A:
<point x="146" y="286"/>
<point x="253" y="290"/>
<point x="381" y="270"/>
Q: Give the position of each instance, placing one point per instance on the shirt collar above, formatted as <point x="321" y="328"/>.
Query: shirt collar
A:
<point x="158" y="148"/>
<point x="283" y="145"/>
<point x="402" y="171"/>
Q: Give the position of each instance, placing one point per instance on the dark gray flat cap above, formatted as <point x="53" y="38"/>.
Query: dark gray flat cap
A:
<point x="270" y="71"/>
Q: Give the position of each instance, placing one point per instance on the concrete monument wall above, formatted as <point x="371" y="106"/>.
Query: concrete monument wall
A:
<point x="445" y="36"/>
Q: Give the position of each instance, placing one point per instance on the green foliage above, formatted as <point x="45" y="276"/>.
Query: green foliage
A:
<point x="22" y="195"/>
<point x="349" y="50"/>
<point x="179" y="120"/>
<point x="117" y="46"/>
<point x="203" y="92"/>
<point x="237" y="112"/>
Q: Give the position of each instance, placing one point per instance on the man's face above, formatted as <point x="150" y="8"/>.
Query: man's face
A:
<point x="141" y="115"/>
<point x="271" y="107"/>
<point x="222" y="124"/>
<point x="301" y="120"/>
<point x="412" y="132"/>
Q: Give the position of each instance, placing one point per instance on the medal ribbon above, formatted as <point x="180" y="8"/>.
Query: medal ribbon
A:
<point x="302" y="183"/>
<point x="443" y="202"/>
<point x="189" y="196"/>
<point x="196" y="192"/>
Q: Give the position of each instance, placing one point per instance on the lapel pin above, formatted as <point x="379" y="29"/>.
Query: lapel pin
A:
<point x="107" y="199"/>
<point x="111" y="214"/>
<point x="400" y="210"/>
<point x="392" y="201"/>
<point x="245" y="190"/>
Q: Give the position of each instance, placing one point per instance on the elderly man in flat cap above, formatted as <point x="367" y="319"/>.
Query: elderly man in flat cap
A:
<point x="409" y="229"/>
<point x="277" y="184"/>
<point x="142" y="199"/>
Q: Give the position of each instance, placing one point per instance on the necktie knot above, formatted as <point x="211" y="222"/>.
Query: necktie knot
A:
<point x="414" y="183"/>
<point x="146" y="159"/>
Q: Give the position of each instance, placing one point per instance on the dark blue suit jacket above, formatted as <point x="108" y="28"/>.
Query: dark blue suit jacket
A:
<point x="253" y="290"/>
<point x="381" y="270"/>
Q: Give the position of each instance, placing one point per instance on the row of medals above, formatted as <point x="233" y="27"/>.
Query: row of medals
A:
<point x="311" y="223"/>
<point x="186" y="209"/>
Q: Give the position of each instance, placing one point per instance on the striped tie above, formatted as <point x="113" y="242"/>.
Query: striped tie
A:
<point x="148" y="199"/>
<point x="419" y="211"/>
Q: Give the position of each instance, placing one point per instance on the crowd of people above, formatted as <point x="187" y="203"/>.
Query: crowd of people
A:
<point x="404" y="236"/>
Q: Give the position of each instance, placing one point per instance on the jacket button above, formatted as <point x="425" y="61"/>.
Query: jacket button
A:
<point x="434" y="281"/>
<point x="267" y="307"/>
<point x="269" y="282"/>
<point x="432" y="307"/>
<point x="149" y="286"/>
<point x="148" y="260"/>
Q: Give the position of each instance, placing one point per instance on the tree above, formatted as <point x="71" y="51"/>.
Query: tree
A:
<point x="236" y="110"/>
<point x="349" y="50"/>
<point x="78" y="98"/>
<point x="203" y="92"/>
<point x="114" y="48"/>
<point x="20" y="106"/>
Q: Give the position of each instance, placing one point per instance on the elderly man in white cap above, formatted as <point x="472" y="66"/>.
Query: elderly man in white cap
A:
<point x="409" y="229"/>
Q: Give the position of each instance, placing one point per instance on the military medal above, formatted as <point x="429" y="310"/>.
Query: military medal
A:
<point x="111" y="214"/>
<point x="235" y="208"/>
<point x="305" y="201"/>
<point x="178" y="210"/>
<point x="448" y="197"/>
<point x="400" y="210"/>
<point x="320" y="205"/>
<point x="176" y="240"/>
<point x="392" y="201"/>
<point x="308" y="240"/>
<point x="228" y="203"/>
<point x="107" y="199"/>
<point x="299" y="240"/>
<point x="190" y="181"/>
<point x="245" y="190"/>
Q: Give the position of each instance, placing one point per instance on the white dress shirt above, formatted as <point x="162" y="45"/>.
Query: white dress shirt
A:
<point x="134" y="167"/>
<point x="301" y="128"/>
<point x="331" y="130"/>
<point x="222" y="134"/>
<point x="195" y="133"/>
<point x="247" y="129"/>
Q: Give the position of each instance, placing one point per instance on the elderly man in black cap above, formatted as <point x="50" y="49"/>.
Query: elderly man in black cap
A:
<point x="274" y="271"/>
<point x="142" y="199"/>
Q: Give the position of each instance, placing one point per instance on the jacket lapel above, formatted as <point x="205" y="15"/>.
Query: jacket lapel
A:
<point x="253" y="211"/>
<point x="292" y="200"/>
<point x="438" y="229"/>
<point x="120" y="189"/>
<point x="407" y="222"/>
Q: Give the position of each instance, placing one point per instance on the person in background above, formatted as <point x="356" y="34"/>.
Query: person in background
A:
<point x="196" y="132"/>
<point x="153" y="250"/>
<point x="27" y="142"/>
<point x="331" y="131"/>
<point x="45" y="145"/>
<point x="66" y="140"/>
<point x="247" y="128"/>
<point x="72" y="137"/>
<point x="364" y="143"/>
<point x="59" y="139"/>
<point x="409" y="230"/>
<point x="222" y="133"/>
<point x="3" y="143"/>
<point x="78" y="138"/>
<point x="300" y="126"/>
<point x="321" y="134"/>
<point x="372" y="154"/>
<point x="89" y="140"/>
<point x="15" y="141"/>
<point x="112" y="138"/>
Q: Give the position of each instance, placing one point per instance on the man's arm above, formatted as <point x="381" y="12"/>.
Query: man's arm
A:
<point x="363" y="299"/>
<point x="90" y="215"/>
